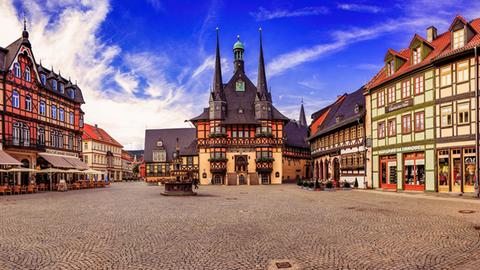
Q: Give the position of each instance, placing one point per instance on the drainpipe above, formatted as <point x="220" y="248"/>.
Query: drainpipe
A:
<point x="476" y="125"/>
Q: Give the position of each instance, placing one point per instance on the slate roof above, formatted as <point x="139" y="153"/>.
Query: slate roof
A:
<point x="137" y="153"/>
<point x="344" y="111"/>
<point x="186" y="137"/>
<point x="98" y="134"/>
<point x="296" y="134"/>
<point x="8" y="54"/>
<point x="441" y="48"/>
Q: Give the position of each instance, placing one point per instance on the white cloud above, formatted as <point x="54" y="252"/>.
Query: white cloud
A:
<point x="360" y="8"/>
<point x="263" y="14"/>
<point x="127" y="81"/>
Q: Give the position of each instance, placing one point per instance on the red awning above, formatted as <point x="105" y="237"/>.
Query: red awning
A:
<point x="64" y="162"/>
<point x="6" y="159"/>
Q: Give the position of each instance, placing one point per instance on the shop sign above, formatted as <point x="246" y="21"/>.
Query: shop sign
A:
<point x="399" y="105"/>
<point x="60" y="153"/>
<point x="401" y="149"/>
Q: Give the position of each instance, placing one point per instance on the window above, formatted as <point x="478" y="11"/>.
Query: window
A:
<point x="458" y="38"/>
<point x="418" y="85"/>
<point x="390" y="67"/>
<point x="72" y="118"/>
<point x="54" y="112"/>
<point x="445" y="76"/>
<point x="16" y="70"/>
<point x="446" y="115"/>
<point x="392" y="127"/>
<point x="159" y="156"/>
<point x="462" y="71"/>
<point x="62" y="88"/>
<point x="43" y="79"/>
<point x="381" y="130"/>
<point x="15" y="99"/>
<point x="71" y="93"/>
<point x="406" y="124"/>
<point x="381" y="99"/>
<point x="70" y="142"/>
<point x="28" y="103"/>
<point x="391" y="94"/>
<point x="405" y="89"/>
<point x="54" y="85"/>
<point x="41" y="136"/>
<point x="80" y="122"/>
<point x="419" y="121"/>
<point x="28" y="75"/>
<point x="43" y="110"/>
<point x="417" y="57"/>
<point x="463" y="110"/>
<point x="61" y="114"/>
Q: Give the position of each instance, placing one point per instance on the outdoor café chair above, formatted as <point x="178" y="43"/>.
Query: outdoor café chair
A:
<point x="16" y="190"/>
<point x="23" y="190"/>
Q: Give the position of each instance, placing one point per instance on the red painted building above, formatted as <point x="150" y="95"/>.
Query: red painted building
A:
<point x="41" y="115"/>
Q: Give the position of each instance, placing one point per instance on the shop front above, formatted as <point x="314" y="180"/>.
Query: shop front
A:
<point x="456" y="170"/>
<point x="414" y="171"/>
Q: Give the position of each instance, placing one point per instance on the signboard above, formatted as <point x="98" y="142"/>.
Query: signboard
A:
<point x="60" y="153"/>
<point x="399" y="105"/>
<point x="401" y="149"/>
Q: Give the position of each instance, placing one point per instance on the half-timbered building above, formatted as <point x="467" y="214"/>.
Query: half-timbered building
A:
<point x="41" y="115"/>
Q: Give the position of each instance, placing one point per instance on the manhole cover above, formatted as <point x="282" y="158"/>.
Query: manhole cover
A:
<point x="466" y="211"/>
<point x="283" y="265"/>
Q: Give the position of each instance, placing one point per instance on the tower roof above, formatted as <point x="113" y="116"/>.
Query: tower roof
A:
<point x="302" y="120"/>
<point x="262" y="78"/>
<point x="238" y="44"/>
<point x="217" y="77"/>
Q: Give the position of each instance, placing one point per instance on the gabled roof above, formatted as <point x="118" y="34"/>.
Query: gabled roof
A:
<point x="395" y="53"/>
<point x="98" y="134"/>
<point x="418" y="37"/>
<point x="441" y="48"/>
<point x="343" y="113"/>
<point x="455" y="20"/>
<point x="186" y="141"/>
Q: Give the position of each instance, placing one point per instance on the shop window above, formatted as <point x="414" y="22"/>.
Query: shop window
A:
<point x="414" y="168"/>
<point x="381" y="99"/>
<point x="469" y="166"/>
<point x="446" y="115"/>
<point x="391" y="94"/>
<point x="463" y="113"/>
<point x="391" y="125"/>
<point x="419" y="121"/>
<point x="443" y="168"/>
<point x="406" y="124"/>
<point x="445" y="76"/>
<point x="462" y="71"/>
<point x="406" y="89"/>
<point x="418" y="85"/>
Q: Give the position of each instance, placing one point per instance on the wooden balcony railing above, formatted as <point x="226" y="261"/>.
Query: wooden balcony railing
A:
<point x="250" y="142"/>
<point x="218" y="166"/>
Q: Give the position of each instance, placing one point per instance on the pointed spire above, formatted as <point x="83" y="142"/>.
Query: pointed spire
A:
<point x="302" y="119"/>
<point x="262" y="78"/>
<point x="25" y="32"/>
<point x="217" y="77"/>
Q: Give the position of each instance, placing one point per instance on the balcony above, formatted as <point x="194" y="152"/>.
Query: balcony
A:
<point x="218" y="165"/>
<point x="241" y="142"/>
<point x="32" y="144"/>
<point x="264" y="165"/>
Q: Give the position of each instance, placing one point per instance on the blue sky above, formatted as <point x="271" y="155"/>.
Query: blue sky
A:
<point x="148" y="63"/>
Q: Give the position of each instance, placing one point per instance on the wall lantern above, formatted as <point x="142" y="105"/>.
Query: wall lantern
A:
<point x="277" y="174"/>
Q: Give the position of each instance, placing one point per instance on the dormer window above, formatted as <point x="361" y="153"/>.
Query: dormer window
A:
<point x="458" y="39"/>
<point x="159" y="143"/>
<point x="54" y="85"/>
<point x="390" y="67"/>
<point x="43" y="79"/>
<point x="339" y="118"/>
<point x="240" y="110"/>
<point x="417" y="55"/>
<point x="62" y="88"/>
<point x="357" y="108"/>
<point x="71" y="93"/>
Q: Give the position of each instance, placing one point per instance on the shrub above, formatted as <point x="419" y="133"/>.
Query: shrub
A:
<point x="317" y="184"/>
<point x="329" y="184"/>
<point x="311" y="185"/>
<point x="346" y="184"/>
<point x="299" y="182"/>
<point x="305" y="184"/>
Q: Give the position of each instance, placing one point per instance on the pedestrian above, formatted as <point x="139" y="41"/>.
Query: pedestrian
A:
<point x="195" y="183"/>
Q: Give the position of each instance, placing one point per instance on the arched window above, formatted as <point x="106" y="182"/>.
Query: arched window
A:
<point x="61" y="114"/>
<point x="43" y="110"/>
<point x="16" y="70"/>
<point x="28" y="75"/>
<point x="62" y="88"/>
<point x="72" y="118"/>
<point x="54" y="112"/>
<point x="15" y="99"/>
<point x="20" y="134"/>
<point x="43" y="78"/>
<point x="28" y="103"/>
<point x="54" y="85"/>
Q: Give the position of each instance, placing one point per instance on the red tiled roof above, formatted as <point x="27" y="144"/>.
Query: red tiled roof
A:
<point x="97" y="134"/>
<point x="441" y="48"/>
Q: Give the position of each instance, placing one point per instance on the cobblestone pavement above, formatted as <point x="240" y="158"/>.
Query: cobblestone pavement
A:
<point x="131" y="226"/>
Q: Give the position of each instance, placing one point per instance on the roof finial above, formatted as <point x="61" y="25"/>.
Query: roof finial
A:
<point x="302" y="100"/>
<point x="24" y="21"/>
<point x="238" y="37"/>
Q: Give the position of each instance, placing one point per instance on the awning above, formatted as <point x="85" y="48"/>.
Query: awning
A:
<point x="64" y="162"/>
<point x="6" y="159"/>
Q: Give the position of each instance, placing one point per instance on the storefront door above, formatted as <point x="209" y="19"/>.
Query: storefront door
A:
<point x="456" y="177"/>
<point x="469" y="170"/>
<point x="388" y="172"/>
<point x="443" y="171"/>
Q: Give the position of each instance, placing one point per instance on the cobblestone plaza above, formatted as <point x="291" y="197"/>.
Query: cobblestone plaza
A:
<point x="131" y="226"/>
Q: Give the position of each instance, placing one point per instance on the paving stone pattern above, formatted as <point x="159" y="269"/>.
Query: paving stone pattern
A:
<point x="131" y="226"/>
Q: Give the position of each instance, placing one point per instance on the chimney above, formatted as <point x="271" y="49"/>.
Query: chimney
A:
<point x="431" y="33"/>
<point x="96" y="126"/>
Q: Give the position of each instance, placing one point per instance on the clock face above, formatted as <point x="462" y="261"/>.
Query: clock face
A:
<point x="240" y="86"/>
<point x="159" y="143"/>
